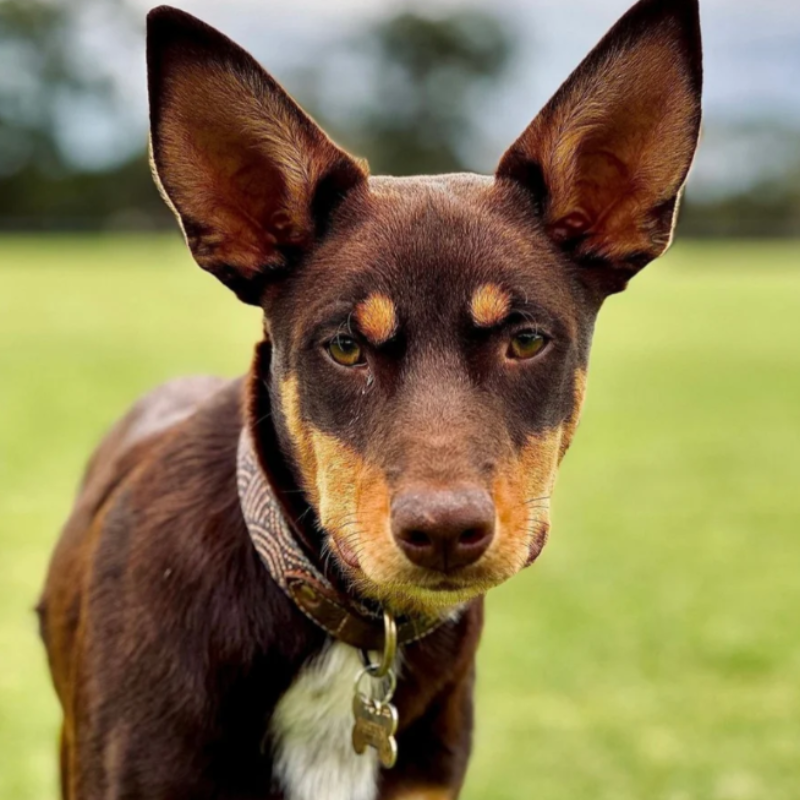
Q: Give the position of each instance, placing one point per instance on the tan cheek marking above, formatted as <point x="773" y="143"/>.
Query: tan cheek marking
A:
<point x="350" y="495"/>
<point x="489" y="305"/>
<point x="339" y="468"/>
<point x="354" y="508"/>
<point x="377" y="318"/>
<point x="300" y="434"/>
<point x="571" y="423"/>
<point x="329" y="468"/>
<point x="425" y="794"/>
<point x="521" y="490"/>
<point x="380" y="557"/>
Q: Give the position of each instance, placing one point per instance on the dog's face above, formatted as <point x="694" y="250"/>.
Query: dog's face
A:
<point x="428" y="337"/>
<point x="428" y="365"/>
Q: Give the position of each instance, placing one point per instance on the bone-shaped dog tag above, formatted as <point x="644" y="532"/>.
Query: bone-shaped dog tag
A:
<point x="375" y="726"/>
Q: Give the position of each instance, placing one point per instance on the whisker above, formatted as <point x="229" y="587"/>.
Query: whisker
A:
<point x="266" y="416"/>
<point x="535" y="499"/>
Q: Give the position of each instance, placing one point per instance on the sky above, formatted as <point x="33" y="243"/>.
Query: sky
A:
<point x="752" y="46"/>
<point x="752" y="60"/>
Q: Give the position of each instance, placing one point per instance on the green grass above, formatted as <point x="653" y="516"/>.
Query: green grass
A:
<point x="654" y="651"/>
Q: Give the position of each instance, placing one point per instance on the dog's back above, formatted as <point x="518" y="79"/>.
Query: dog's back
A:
<point x="133" y="442"/>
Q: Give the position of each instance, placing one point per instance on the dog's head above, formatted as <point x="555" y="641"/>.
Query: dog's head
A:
<point x="428" y="337"/>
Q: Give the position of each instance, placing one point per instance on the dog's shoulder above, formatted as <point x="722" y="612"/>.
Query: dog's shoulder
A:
<point x="152" y="420"/>
<point x="157" y="600"/>
<point x="158" y="512"/>
<point x="168" y="473"/>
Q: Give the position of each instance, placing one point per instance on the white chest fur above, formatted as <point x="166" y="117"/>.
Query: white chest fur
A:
<point x="311" y="730"/>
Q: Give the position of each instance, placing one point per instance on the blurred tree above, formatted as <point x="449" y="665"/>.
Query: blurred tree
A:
<point x="754" y="189"/>
<point x="47" y="71"/>
<point x="37" y="70"/>
<point x="422" y="81"/>
<point x="768" y="209"/>
<point x="410" y="92"/>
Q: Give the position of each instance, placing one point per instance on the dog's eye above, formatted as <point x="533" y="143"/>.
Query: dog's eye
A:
<point x="526" y="344"/>
<point x="346" y="351"/>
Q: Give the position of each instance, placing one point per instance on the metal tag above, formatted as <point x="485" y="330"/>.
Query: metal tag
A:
<point x="375" y="726"/>
<point x="375" y="718"/>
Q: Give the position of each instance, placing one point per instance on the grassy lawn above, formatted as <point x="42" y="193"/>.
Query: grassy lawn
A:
<point x="654" y="651"/>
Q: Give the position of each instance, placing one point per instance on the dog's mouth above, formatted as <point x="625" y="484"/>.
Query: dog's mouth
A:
<point x="346" y="553"/>
<point x="408" y="589"/>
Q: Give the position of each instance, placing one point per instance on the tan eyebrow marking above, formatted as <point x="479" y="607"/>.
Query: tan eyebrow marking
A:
<point x="489" y="305"/>
<point x="377" y="318"/>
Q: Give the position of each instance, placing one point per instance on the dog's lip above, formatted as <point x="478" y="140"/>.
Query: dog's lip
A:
<point x="537" y="545"/>
<point x="346" y="552"/>
<point x="534" y="553"/>
<point x="446" y="584"/>
<point x="454" y="581"/>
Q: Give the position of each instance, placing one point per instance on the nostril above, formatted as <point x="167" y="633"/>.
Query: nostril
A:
<point x="418" y="539"/>
<point x="472" y="536"/>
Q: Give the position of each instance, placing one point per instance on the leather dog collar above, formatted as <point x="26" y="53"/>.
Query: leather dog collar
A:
<point x="339" y="615"/>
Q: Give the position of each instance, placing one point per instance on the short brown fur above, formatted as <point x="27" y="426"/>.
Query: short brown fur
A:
<point x="169" y="643"/>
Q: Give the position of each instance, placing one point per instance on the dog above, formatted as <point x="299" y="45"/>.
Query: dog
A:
<point x="240" y="551"/>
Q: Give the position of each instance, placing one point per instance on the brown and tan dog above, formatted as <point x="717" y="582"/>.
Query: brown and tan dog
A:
<point x="420" y="379"/>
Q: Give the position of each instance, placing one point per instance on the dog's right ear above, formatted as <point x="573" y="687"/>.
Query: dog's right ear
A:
<point x="249" y="175"/>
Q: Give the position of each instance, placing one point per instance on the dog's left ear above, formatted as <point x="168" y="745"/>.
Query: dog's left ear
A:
<point x="606" y="159"/>
<point x="249" y="175"/>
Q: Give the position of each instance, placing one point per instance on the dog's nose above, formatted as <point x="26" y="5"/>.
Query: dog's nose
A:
<point x="443" y="529"/>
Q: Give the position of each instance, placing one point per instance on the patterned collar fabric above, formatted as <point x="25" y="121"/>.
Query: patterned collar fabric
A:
<point x="340" y="615"/>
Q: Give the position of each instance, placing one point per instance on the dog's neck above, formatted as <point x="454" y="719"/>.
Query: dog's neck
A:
<point x="280" y="472"/>
<point x="341" y="614"/>
<point x="285" y="532"/>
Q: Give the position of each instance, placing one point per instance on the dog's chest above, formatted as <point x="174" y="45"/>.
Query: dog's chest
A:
<point x="311" y="732"/>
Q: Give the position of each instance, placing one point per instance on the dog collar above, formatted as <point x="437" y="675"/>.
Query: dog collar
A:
<point x="338" y="614"/>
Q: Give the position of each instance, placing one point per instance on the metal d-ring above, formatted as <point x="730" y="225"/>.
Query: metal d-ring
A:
<point x="388" y="682"/>
<point x="389" y="645"/>
<point x="389" y="649"/>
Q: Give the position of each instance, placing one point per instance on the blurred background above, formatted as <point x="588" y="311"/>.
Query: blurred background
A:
<point x="427" y="87"/>
<point x="654" y="652"/>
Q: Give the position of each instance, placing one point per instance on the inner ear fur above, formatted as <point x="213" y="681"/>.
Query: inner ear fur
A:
<point x="607" y="157"/>
<point x="248" y="174"/>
